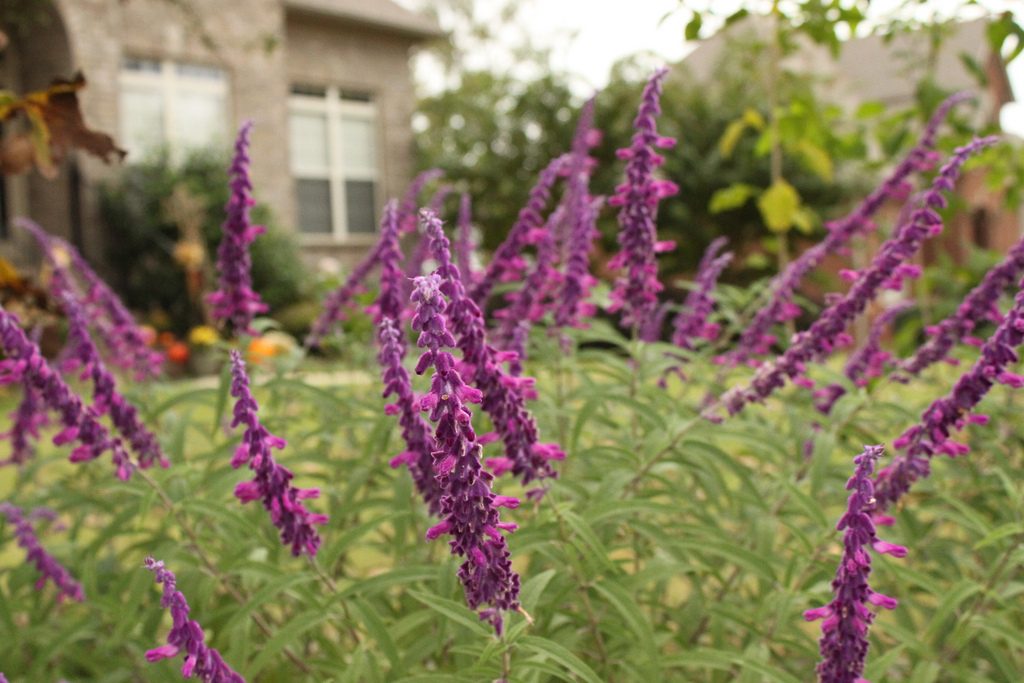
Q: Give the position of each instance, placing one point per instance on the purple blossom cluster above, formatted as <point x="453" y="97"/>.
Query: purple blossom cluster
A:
<point x="107" y="400"/>
<point x="339" y="300"/>
<point x="272" y="481"/>
<point x="818" y="341"/>
<point x="844" y="629"/>
<point x="469" y="509"/>
<point x="529" y="303"/>
<point x="465" y="246"/>
<point x="235" y="303"/>
<point x="868" y="361"/>
<point x="504" y="396"/>
<point x="692" y="321"/>
<point x="581" y="209"/>
<point x="26" y="421"/>
<point x="127" y="343"/>
<point x="636" y="291"/>
<point x="187" y="635"/>
<point x="507" y="263"/>
<point x="979" y="305"/>
<point x="756" y="337"/>
<point x="24" y="363"/>
<point x="931" y="435"/>
<point x="48" y="567"/>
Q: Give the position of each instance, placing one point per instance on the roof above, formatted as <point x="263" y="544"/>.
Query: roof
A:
<point x="870" y="68"/>
<point x="380" y="14"/>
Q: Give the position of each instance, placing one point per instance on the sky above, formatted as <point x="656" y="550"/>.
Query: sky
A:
<point x="587" y="37"/>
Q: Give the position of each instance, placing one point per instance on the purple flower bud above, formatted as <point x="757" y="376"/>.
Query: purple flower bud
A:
<point x="840" y="232"/>
<point x="25" y="363"/>
<point x="47" y="566"/>
<point x="407" y="211"/>
<point x="186" y="635"/>
<point x="636" y="291"/>
<point x="844" y="639"/>
<point x="469" y="509"/>
<point x="235" y="302"/>
<point x="272" y="481"/>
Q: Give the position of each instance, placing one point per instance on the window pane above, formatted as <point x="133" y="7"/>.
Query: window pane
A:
<point x="358" y="146"/>
<point x="200" y="72"/>
<point x="142" y="121"/>
<point x="359" y="206"/>
<point x="198" y="119"/>
<point x="308" y="138"/>
<point x="136" y="64"/>
<point x="314" y="200"/>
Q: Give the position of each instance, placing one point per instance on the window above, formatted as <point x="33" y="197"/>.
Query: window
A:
<point x="171" y="104"/>
<point x="333" y="144"/>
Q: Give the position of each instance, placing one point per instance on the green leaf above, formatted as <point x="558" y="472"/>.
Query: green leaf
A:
<point x="731" y="137"/>
<point x="692" y="30"/>
<point x="561" y="656"/>
<point x="625" y="605"/>
<point x="287" y="635"/>
<point x="704" y="658"/>
<point x="455" y="611"/>
<point x="816" y="159"/>
<point x="779" y="205"/>
<point x="732" y="197"/>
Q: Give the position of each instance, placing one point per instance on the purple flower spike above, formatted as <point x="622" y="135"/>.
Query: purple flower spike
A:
<point x="844" y="631"/>
<point x="409" y="208"/>
<point x="818" y="341"/>
<point x="866" y="362"/>
<point x="692" y="321"/>
<point x="272" y="482"/>
<point x="340" y="300"/>
<point x="507" y="263"/>
<point x="187" y="635"/>
<point x="469" y="509"/>
<point x="581" y="209"/>
<point x="26" y="421"/>
<point x="636" y="291"/>
<point x="529" y="303"/>
<point x="414" y="264"/>
<point x="25" y="363"/>
<point x="977" y="306"/>
<point x="48" y="567"/>
<point x="126" y="342"/>
<point x="504" y="396"/>
<point x="106" y="397"/>
<point x="756" y="338"/>
<point x="235" y="302"/>
<point x="465" y="246"/>
<point x="931" y="435"/>
<point x="418" y="455"/>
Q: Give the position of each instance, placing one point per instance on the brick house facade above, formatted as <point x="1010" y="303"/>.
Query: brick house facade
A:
<point x="326" y="82"/>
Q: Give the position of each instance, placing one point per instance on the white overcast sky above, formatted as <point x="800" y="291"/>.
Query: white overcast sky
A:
<point x="588" y="36"/>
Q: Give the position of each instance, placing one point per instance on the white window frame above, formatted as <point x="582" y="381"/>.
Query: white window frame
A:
<point x="169" y="83"/>
<point x="333" y="107"/>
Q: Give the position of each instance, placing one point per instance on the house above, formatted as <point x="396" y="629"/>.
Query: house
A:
<point x="326" y="82"/>
<point x="871" y="69"/>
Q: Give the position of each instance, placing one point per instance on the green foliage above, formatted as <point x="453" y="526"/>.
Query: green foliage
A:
<point x="669" y="549"/>
<point x="145" y="227"/>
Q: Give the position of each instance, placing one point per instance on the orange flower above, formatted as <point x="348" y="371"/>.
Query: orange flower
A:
<point x="261" y="349"/>
<point x="177" y="352"/>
